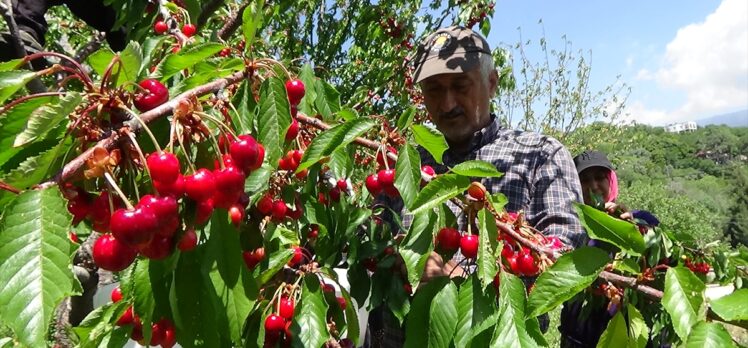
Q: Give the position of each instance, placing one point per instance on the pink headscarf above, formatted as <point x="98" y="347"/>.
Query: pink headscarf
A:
<point x="612" y="186"/>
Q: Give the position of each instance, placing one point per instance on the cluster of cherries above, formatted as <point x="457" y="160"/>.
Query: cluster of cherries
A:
<point x="163" y="332"/>
<point x="384" y="180"/>
<point x="160" y="27"/>
<point x="698" y="267"/>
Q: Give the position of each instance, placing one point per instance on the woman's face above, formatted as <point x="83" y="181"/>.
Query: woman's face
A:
<point x="594" y="182"/>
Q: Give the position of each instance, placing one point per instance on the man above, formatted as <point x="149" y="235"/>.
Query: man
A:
<point x="456" y="73"/>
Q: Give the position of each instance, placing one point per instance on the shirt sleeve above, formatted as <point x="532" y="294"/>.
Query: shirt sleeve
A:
<point x="554" y="190"/>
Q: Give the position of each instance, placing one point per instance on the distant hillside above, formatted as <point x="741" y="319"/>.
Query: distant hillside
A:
<point x="733" y="119"/>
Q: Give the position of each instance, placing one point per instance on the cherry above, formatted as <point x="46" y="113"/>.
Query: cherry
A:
<point x="111" y="254"/>
<point x="554" y="243"/>
<point x="157" y="95"/>
<point x="448" y="239"/>
<point x="229" y="186"/>
<point x="321" y="198"/>
<point x="408" y="288"/>
<point x="201" y="185"/>
<point x="497" y="281"/>
<point x="274" y="323"/>
<point x="328" y="288"/>
<point x="204" y="211"/>
<point x="302" y="174"/>
<point x="224" y="52"/>
<point x="335" y="194"/>
<point x="477" y="191"/>
<point x="258" y="161"/>
<point x="313" y="232"/>
<point x="265" y="205"/>
<point x="293" y="130"/>
<point x="297" y="258"/>
<point x="286" y="308"/>
<point x="386" y="178"/>
<point x="236" y="214"/>
<point x="189" y="30"/>
<point x="295" y="90"/>
<point x="127" y="317"/>
<point x="74" y="237"/>
<point x="372" y="184"/>
<point x="342" y="185"/>
<point x="158" y="249"/>
<point x="164" y="167"/>
<point x="469" y="246"/>
<point x="170" y="334"/>
<point x="175" y="189"/>
<point x="390" y="162"/>
<point x="279" y="210"/>
<point x="188" y="241"/>
<point x="342" y="303"/>
<point x="166" y="211"/>
<point x="513" y="266"/>
<point x="428" y="170"/>
<point x="370" y="263"/>
<point x="101" y="213"/>
<point x="160" y="27"/>
<point x="80" y="207"/>
<point x="116" y="295"/>
<point x="137" y="331"/>
<point x="244" y="151"/>
<point x="252" y="258"/>
<point x="157" y="334"/>
<point x="526" y="264"/>
<point x="508" y="251"/>
<point x="134" y="227"/>
<point x="389" y="250"/>
<point x="294" y="111"/>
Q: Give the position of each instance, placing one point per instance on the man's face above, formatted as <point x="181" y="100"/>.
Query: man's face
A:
<point x="459" y="103"/>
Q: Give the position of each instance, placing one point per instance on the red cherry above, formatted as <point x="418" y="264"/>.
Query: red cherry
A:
<point x="513" y="266"/>
<point x="258" y="161"/>
<point x="386" y="178"/>
<point x="526" y="265"/>
<point x="80" y="207"/>
<point x="265" y="205"/>
<point x="390" y="162"/>
<point x="166" y="211"/>
<point x="157" y="95"/>
<point x="229" y="186"/>
<point x="279" y="210"/>
<point x="224" y="52"/>
<point x="335" y="194"/>
<point x="295" y="90"/>
<point x="342" y="185"/>
<point x="116" y="295"/>
<point x="370" y="263"/>
<point x="448" y="239"/>
<point x="293" y="130"/>
<point x="286" y="308"/>
<point x="477" y="191"/>
<point x="298" y="257"/>
<point x="160" y="27"/>
<point x="236" y="214"/>
<point x="428" y="170"/>
<point x="74" y="237"/>
<point x="274" y="323"/>
<point x="372" y="184"/>
<point x="164" y="167"/>
<point x="137" y="331"/>
<point x="157" y="334"/>
<point x="158" y="249"/>
<point x="321" y="198"/>
<point x="469" y="246"/>
<point x="201" y="185"/>
<point x="342" y="303"/>
<point x="100" y="212"/>
<point x="134" y="227"/>
<point x="294" y="111"/>
<point x="127" y="317"/>
<point x="508" y="250"/>
<point x="313" y="232"/>
<point x="188" y="241"/>
<point x="170" y="333"/>
<point x="111" y="254"/>
<point x="244" y="151"/>
<point x="554" y="243"/>
<point x="408" y="288"/>
<point x="328" y="288"/>
<point x="497" y="281"/>
<point x="175" y="189"/>
<point x="389" y="250"/>
<point x="252" y="258"/>
<point x="204" y="211"/>
<point x="189" y="30"/>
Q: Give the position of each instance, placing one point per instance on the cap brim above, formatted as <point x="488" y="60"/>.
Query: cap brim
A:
<point x="451" y="63"/>
<point x="584" y="166"/>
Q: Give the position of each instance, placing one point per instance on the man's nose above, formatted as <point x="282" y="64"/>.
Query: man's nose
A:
<point x="449" y="102"/>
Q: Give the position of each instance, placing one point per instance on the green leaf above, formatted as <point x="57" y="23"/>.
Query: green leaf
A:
<point x="237" y="300"/>
<point x="439" y="190"/>
<point x="629" y="265"/>
<point x="193" y="305"/>
<point x="474" y="307"/>
<point x="131" y="60"/>
<point x="223" y="248"/>
<point x="13" y="64"/>
<point x="306" y="75"/>
<point x="510" y="330"/>
<point x="44" y="119"/>
<point x="311" y="328"/>
<point x="357" y="275"/>
<point x="477" y="168"/>
<point x="274" y="118"/>
<point x="35" y="256"/>
<point x="709" y="335"/>
<point x="145" y="300"/>
<point x="487" y="244"/>
<point x="443" y="316"/>
<point x="397" y="300"/>
<point x="432" y="140"/>
<point x="150" y="44"/>
<point x="13" y="121"/>
<point x="246" y="105"/>
<point x="601" y="226"/>
<point x="683" y="299"/>
<point x="35" y="169"/>
<point x="348" y="114"/>
<point x="416" y="248"/>
<point x="572" y="273"/>
<point x="616" y="334"/>
<point x="638" y="329"/>
<point x="13" y="80"/>
<point x="340" y="135"/>
<point x="406" y="119"/>
<point x="251" y="20"/>
<point x="732" y="307"/>
<point x="408" y="174"/>
<point x="100" y="60"/>
<point x="341" y="162"/>
<point x="276" y="261"/>
<point x="328" y="99"/>
<point x="416" y="328"/>
<point x="185" y="59"/>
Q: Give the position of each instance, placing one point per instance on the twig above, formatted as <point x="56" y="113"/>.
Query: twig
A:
<point x="6" y="7"/>
<point x="233" y="23"/>
<point x="207" y="12"/>
<point x="9" y="188"/>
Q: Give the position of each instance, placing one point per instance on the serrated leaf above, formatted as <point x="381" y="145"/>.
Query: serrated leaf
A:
<point x="629" y="265"/>
<point x="34" y="169"/>
<point x="149" y="46"/>
<point x="572" y="273"/>
<point x="35" y="256"/>
<point x="276" y="261"/>
<point x="274" y="118"/>
<point x="510" y="330"/>
<point x="487" y="244"/>
<point x="13" y="64"/>
<point x="416" y="248"/>
<point x="439" y="190"/>
<point x="733" y="306"/>
<point x="357" y="275"/>
<point x="145" y="301"/>
<point x="306" y="75"/>
<point x="408" y="174"/>
<point x="246" y="105"/>
<point x="348" y="114"/>
<point x="406" y="118"/>
<point x="223" y="248"/>
<point x="443" y="316"/>
<point x="616" y="334"/>
<point x="477" y="168"/>
<point x="340" y="135"/>
<point x="601" y="226"/>
<point x="251" y="20"/>
<point x="328" y="99"/>
<point x="44" y="119"/>
<point x="416" y="328"/>
<point x="131" y="60"/>
<point x="638" y="329"/>
<point x="709" y="335"/>
<point x="100" y="60"/>
<point x="192" y="304"/>
<point x="432" y="140"/>
<point x="683" y="299"/>
<point x="13" y="121"/>
<point x="185" y="59"/>
<point x="237" y="301"/>
<point x="311" y="328"/>
<point x="341" y="162"/>
<point x="257" y="181"/>
<point x="474" y="307"/>
<point x="13" y="80"/>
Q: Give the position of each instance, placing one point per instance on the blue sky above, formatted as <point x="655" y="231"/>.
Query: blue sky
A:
<point x="684" y="59"/>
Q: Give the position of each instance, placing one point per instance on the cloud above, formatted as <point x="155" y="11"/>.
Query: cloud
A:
<point x="644" y="74"/>
<point x="637" y="112"/>
<point x="709" y="62"/>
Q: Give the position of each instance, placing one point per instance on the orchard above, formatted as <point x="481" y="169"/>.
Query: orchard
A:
<point x="225" y="184"/>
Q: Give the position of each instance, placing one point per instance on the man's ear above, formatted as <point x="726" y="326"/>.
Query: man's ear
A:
<point x="493" y="82"/>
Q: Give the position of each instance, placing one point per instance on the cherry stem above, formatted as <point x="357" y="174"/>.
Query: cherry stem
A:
<point x="140" y="153"/>
<point x="145" y="127"/>
<point x="221" y="126"/>
<point x="217" y="149"/>
<point x="275" y="63"/>
<point x="9" y="188"/>
<point x="108" y="72"/>
<point x="86" y="79"/>
<point x="28" y="97"/>
<point x="184" y="149"/>
<point x="114" y="185"/>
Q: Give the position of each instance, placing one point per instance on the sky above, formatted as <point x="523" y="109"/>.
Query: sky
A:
<point x="684" y="59"/>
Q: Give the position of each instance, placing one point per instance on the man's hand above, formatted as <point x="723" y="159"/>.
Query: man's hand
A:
<point x="435" y="267"/>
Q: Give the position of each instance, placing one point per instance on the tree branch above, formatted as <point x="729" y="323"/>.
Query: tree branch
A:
<point x="233" y="23"/>
<point x="208" y="11"/>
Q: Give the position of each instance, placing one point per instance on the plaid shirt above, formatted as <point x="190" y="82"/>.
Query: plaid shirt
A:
<point x="539" y="179"/>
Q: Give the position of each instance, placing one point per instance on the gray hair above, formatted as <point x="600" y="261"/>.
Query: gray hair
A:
<point x="486" y="67"/>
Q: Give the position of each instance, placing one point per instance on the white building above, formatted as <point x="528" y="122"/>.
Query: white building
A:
<point x="681" y="127"/>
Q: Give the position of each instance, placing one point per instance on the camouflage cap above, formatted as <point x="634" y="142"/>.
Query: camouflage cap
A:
<point x="454" y="49"/>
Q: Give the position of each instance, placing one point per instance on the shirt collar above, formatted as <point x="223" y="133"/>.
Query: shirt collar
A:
<point x="485" y="135"/>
